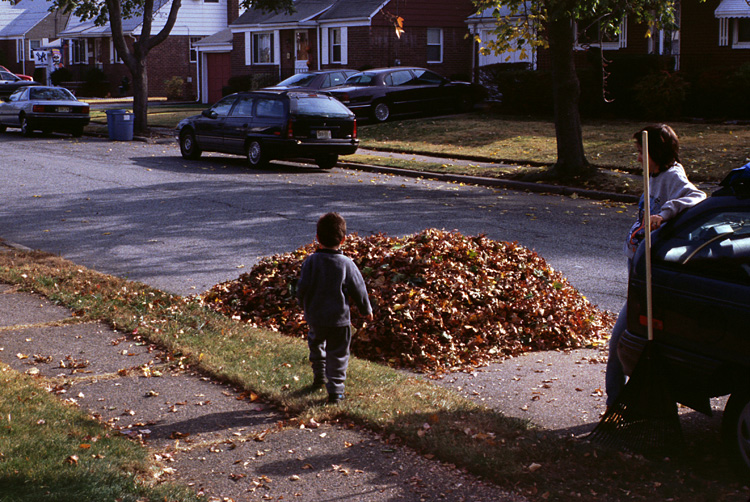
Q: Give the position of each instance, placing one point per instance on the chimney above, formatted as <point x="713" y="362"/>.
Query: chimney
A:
<point x="233" y="10"/>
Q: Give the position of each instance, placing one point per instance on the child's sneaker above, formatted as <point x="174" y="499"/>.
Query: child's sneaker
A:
<point x="335" y="398"/>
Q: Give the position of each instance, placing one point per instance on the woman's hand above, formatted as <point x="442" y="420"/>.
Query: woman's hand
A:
<point x="656" y="221"/>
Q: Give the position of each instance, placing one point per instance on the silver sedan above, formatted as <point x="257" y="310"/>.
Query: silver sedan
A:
<point x="46" y="109"/>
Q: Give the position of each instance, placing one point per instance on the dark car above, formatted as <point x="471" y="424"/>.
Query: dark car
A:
<point x="315" y="80"/>
<point x="701" y="311"/>
<point x="22" y="77"/>
<point x="266" y="125"/>
<point x="44" y="108"/>
<point x="383" y="92"/>
<point x="9" y="82"/>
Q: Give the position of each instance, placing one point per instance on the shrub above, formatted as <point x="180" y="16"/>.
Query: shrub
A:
<point x="61" y="75"/>
<point x="521" y="91"/>
<point x="737" y="91"/>
<point x="174" y="88"/>
<point x="95" y="83"/>
<point x="661" y="95"/>
<point x="249" y="82"/>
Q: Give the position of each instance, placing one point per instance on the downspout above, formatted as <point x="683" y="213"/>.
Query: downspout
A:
<point x="317" y="31"/>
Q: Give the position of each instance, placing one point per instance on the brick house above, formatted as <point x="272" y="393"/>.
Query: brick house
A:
<point x="713" y="36"/>
<point x="26" y="26"/>
<point x="358" y="34"/>
<point x="86" y="45"/>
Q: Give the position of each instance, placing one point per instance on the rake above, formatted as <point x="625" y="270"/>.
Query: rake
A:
<point x="644" y="418"/>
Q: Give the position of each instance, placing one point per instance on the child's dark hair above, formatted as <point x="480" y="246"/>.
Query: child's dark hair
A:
<point x="331" y="230"/>
<point x="663" y="144"/>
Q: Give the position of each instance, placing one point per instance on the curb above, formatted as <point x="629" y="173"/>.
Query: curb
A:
<point x="495" y="182"/>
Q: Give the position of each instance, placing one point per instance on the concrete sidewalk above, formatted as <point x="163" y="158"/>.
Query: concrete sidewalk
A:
<point x="209" y="436"/>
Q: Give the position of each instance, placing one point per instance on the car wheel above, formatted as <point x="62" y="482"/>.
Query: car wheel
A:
<point x="328" y="161"/>
<point x="735" y="431"/>
<point x="256" y="157"/>
<point x="381" y="111"/>
<point x="188" y="147"/>
<point x="26" y="130"/>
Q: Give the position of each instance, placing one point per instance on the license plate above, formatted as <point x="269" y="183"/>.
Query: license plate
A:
<point x="324" y="134"/>
<point x="64" y="109"/>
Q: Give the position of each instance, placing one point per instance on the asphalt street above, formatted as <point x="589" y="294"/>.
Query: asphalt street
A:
<point x="140" y="211"/>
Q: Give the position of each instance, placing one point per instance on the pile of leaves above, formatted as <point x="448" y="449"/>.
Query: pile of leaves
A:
<point x="442" y="301"/>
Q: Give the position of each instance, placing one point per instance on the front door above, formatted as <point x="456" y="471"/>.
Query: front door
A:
<point x="301" y="52"/>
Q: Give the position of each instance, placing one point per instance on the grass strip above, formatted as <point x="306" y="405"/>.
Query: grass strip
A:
<point x="433" y="420"/>
<point x="50" y="451"/>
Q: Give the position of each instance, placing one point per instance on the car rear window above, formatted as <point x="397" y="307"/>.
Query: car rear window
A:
<point x="320" y="106"/>
<point x="47" y="94"/>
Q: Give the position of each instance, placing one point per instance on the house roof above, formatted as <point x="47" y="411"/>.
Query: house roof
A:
<point x="219" y="38"/>
<point x="732" y="8"/>
<point x="313" y="11"/>
<point x="88" y="28"/>
<point x="17" y="20"/>
<point x="353" y="9"/>
<point x="306" y="10"/>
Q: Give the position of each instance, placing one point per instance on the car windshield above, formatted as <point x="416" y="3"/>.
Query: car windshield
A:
<point x="6" y="75"/>
<point x="50" y="94"/>
<point x="321" y="106"/>
<point x="361" y="79"/>
<point x="298" y="80"/>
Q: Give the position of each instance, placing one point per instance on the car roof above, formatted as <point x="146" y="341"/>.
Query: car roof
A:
<point x="282" y="92"/>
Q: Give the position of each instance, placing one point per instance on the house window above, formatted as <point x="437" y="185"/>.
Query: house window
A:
<point x="193" y="49"/>
<point x="34" y="45"/>
<point x="78" y="53"/>
<point x="263" y="48"/>
<point x="595" y="34"/>
<point x="434" y="45"/>
<point x="20" y="49"/>
<point x="114" y="56"/>
<point x="742" y="33"/>
<point x="334" y="42"/>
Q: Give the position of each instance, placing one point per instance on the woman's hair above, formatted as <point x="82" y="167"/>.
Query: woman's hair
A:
<point x="663" y="144"/>
<point x="331" y="230"/>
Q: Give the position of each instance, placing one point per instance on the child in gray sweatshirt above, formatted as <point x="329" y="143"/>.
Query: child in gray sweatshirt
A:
<point x="328" y="280"/>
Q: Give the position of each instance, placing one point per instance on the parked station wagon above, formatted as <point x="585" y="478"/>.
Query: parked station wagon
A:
<point x="266" y="125"/>
<point x="701" y="310"/>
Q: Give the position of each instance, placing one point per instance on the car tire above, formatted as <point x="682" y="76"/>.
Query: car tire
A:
<point x="381" y="111"/>
<point x="188" y="147"/>
<point x="26" y="130"/>
<point x="735" y="431"/>
<point x="256" y="156"/>
<point x="327" y="161"/>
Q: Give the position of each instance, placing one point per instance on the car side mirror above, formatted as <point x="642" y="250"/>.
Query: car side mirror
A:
<point x="209" y="114"/>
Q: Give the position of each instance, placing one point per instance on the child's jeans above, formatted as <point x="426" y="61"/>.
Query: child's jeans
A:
<point x="615" y="379"/>
<point x="329" y="354"/>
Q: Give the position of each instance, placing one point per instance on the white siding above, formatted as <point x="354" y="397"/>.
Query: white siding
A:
<point x="195" y="18"/>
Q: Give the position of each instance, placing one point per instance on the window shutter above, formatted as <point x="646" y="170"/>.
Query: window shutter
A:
<point x="724" y="31"/>
<point x="276" y="47"/>
<point x="325" y="49"/>
<point x="344" y="51"/>
<point x="248" y="49"/>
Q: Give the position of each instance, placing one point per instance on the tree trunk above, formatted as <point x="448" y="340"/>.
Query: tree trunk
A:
<point x="140" y="97"/>
<point x="566" y="91"/>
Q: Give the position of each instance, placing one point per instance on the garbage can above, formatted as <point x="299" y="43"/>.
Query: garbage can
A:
<point x="120" y="125"/>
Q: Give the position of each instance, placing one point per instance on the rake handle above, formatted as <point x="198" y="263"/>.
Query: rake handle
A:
<point x="647" y="228"/>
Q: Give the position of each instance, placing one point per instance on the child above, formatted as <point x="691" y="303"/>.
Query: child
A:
<point x="671" y="193"/>
<point x="327" y="281"/>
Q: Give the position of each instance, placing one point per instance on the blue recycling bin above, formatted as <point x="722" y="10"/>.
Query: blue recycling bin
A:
<point x="120" y="125"/>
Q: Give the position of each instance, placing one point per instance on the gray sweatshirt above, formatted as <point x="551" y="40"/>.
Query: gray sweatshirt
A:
<point x="327" y="281"/>
<point x="671" y="193"/>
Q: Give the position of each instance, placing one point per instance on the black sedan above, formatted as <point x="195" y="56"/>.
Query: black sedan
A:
<point x="9" y="82"/>
<point x="701" y="309"/>
<point x="383" y="92"/>
<point x="266" y="125"/>
<point x="315" y="80"/>
<point x="43" y="108"/>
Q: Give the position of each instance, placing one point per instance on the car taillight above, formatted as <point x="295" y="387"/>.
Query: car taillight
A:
<point x="656" y="323"/>
<point x="37" y="108"/>
<point x="354" y="130"/>
<point x="290" y="129"/>
<point x="85" y="110"/>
